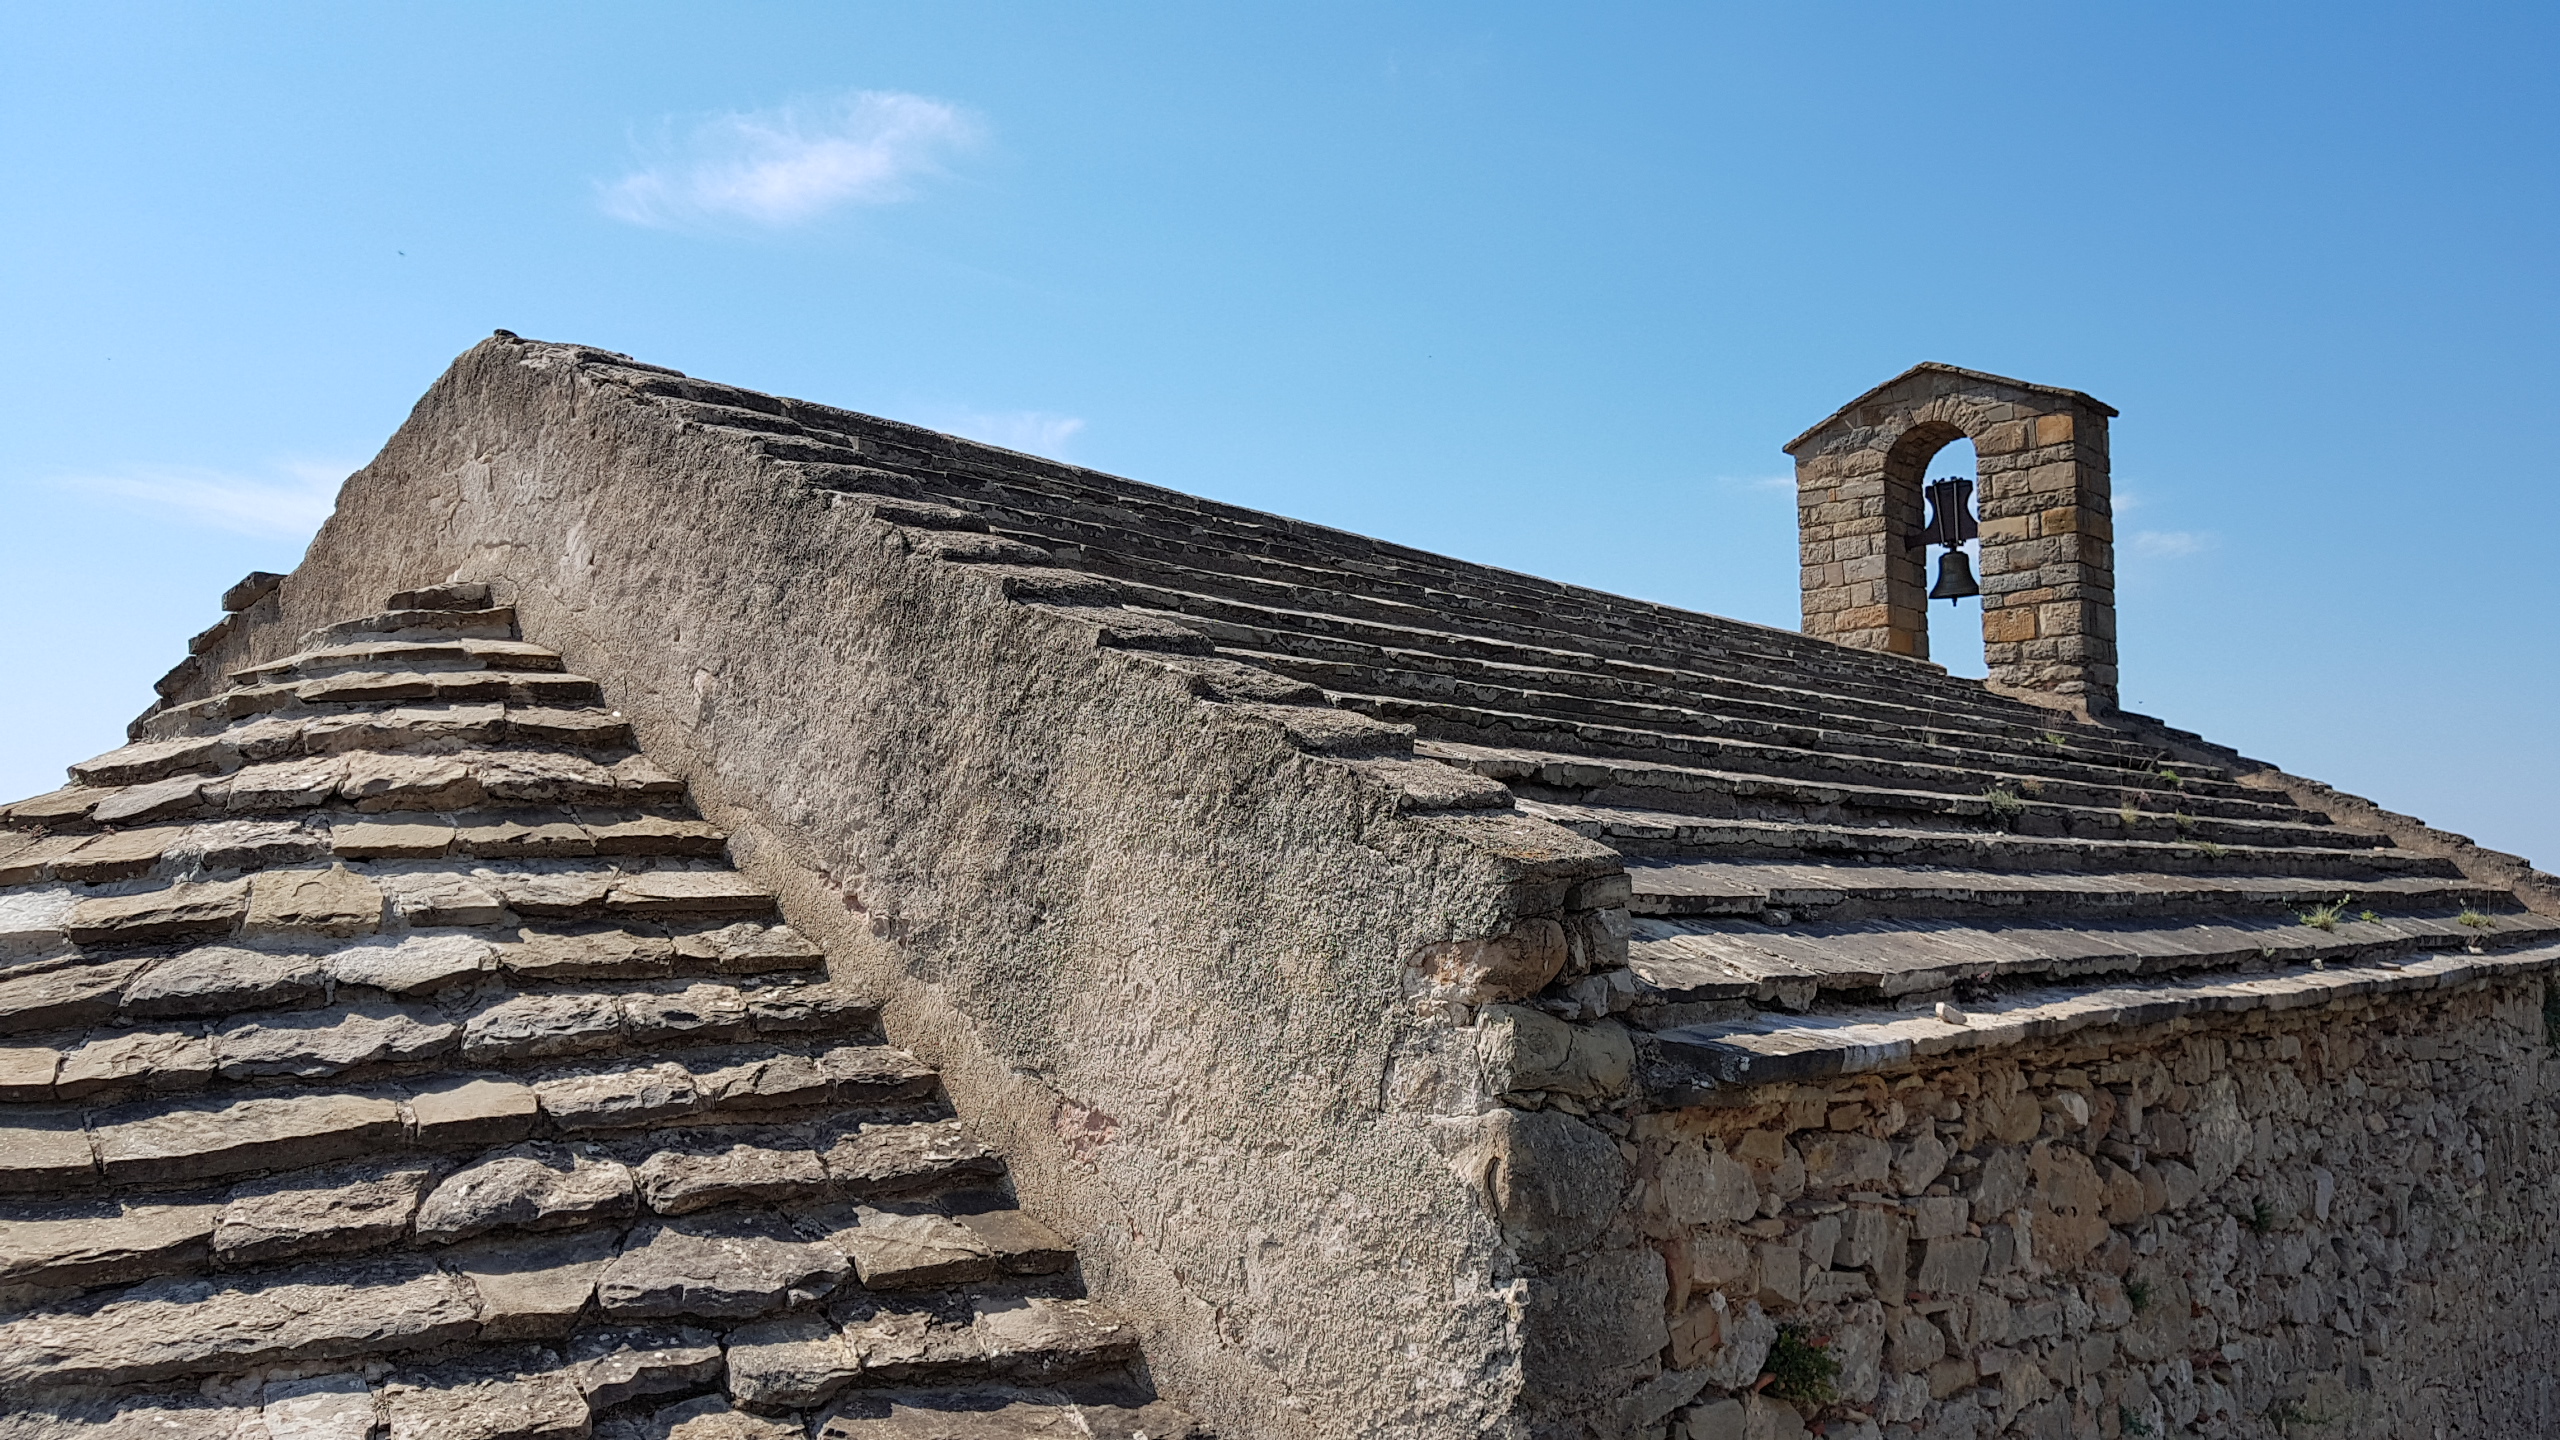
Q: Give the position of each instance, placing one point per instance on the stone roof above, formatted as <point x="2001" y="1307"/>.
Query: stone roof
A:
<point x="378" y="978"/>
<point x="385" y="1034"/>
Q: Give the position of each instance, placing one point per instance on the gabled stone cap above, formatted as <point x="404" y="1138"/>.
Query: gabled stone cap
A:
<point x="1936" y="367"/>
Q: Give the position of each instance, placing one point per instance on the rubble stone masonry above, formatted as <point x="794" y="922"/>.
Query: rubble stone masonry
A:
<point x="2332" y="1223"/>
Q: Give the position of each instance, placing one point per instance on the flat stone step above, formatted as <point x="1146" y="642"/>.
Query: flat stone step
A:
<point x="999" y="1414"/>
<point x="1822" y="893"/>
<point x="1396" y="662"/>
<point x="1610" y="781"/>
<point x="375" y="689"/>
<point x="1656" y="834"/>
<point x="1515" y="730"/>
<point x="404" y="727"/>
<point x="399" y="655"/>
<point x="1692" y="1062"/>
<point x="286" y="1031"/>
<point x="1624" y="693"/>
<point x="494" y="623"/>
<point x="1683" y="961"/>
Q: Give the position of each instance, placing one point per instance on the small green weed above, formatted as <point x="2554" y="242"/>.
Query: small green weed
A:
<point x="2473" y="920"/>
<point x="2130" y="1423"/>
<point x="2261" y="1217"/>
<point x="1800" y="1368"/>
<point x="2326" y="917"/>
<point x="2054" y="740"/>
<point x="2130" y="816"/>
<point x="2367" y="916"/>
<point x="2184" y="821"/>
<point x="2005" y="805"/>
<point x="2138" y="1292"/>
<point x="2176" y="780"/>
<point x="2208" y="849"/>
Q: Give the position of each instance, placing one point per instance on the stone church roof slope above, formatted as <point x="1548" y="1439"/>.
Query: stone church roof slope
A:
<point x="385" y="1033"/>
<point x="1300" y="928"/>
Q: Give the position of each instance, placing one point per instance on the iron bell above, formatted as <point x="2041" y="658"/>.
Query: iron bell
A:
<point x="1955" y="578"/>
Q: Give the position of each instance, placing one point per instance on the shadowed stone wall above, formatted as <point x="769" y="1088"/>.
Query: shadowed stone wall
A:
<point x="2333" y="1222"/>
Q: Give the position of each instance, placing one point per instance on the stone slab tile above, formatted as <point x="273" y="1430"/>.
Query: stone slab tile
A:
<point x="167" y="1142"/>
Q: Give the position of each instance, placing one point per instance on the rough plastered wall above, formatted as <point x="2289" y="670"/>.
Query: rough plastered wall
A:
<point x="2318" y="1223"/>
<point x="1163" y="955"/>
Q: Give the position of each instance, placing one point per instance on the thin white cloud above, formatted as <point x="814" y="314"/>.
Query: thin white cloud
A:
<point x="784" y="167"/>
<point x="2170" y="544"/>
<point x="1033" y="432"/>
<point x="291" y="503"/>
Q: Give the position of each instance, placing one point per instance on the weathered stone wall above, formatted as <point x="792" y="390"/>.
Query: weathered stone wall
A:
<point x="2333" y="1222"/>
<point x="2048" y="538"/>
<point x="1161" y="932"/>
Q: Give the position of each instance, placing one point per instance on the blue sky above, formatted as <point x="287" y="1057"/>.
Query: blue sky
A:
<point x="1545" y="286"/>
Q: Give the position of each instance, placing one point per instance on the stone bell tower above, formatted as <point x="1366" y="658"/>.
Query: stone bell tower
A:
<point x="2048" y="531"/>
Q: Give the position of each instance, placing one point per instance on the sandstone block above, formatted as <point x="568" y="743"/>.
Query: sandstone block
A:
<point x="590" y="952"/>
<point x="157" y="800"/>
<point x="179" y="912"/>
<point x="1951" y="1266"/>
<point x="324" y="902"/>
<point x="616" y="1366"/>
<point x="1704" y="1187"/>
<point x="26" y="1073"/>
<point x="176" y="1141"/>
<point x="392" y="782"/>
<point x="772" y="1082"/>
<point x="902" y="1252"/>
<point x="337" y="1212"/>
<point x="318" y="1407"/>
<point x="126" y="855"/>
<point x="533" y="1287"/>
<point x="710" y="1418"/>
<point x="631" y="832"/>
<point x="733" y="1266"/>
<point x="43" y="1150"/>
<point x="688" y="892"/>
<point x="411" y="964"/>
<point x="529" y="1407"/>
<point x="102" y="1242"/>
<point x="135" y="1060"/>
<point x="750" y="949"/>
<point x="415" y="836"/>
<point x="1511" y="966"/>
<point x="444" y="898"/>
<point x="474" y="1112"/>
<point x="889" y="1159"/>
<point x="695" y="1015"/>
<point x="79" y="994"/>
<point x="529" y="835"/>
<point x="223" y="980"/>
<point x="31" y="920"/>
<point x="1041" y="1336"/>
<point x="788" y="1364"/>
<point x="679" y="1178"/>
<point x="550" y="1024"/>
<point x="1021" y="1245"/>
<point x="312" y="1044"/>
<point x="869" y="1074"/>
<point x="553" y="894"/>
<point x="1839" y="1161"/>
<point x="167" y="1329"/>
<point x="822" y="1009"/>
<point x="285" y="784"/>
<point x="616" y="1098"/>
<point x="532" y="1186"/>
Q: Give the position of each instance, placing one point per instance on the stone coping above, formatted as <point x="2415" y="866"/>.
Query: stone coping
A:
<point x="1699" y="1064"/>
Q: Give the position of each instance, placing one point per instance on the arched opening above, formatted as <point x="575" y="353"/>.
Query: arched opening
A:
<point x="1948" y="632"/>
<point x="1955" y="627"/>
